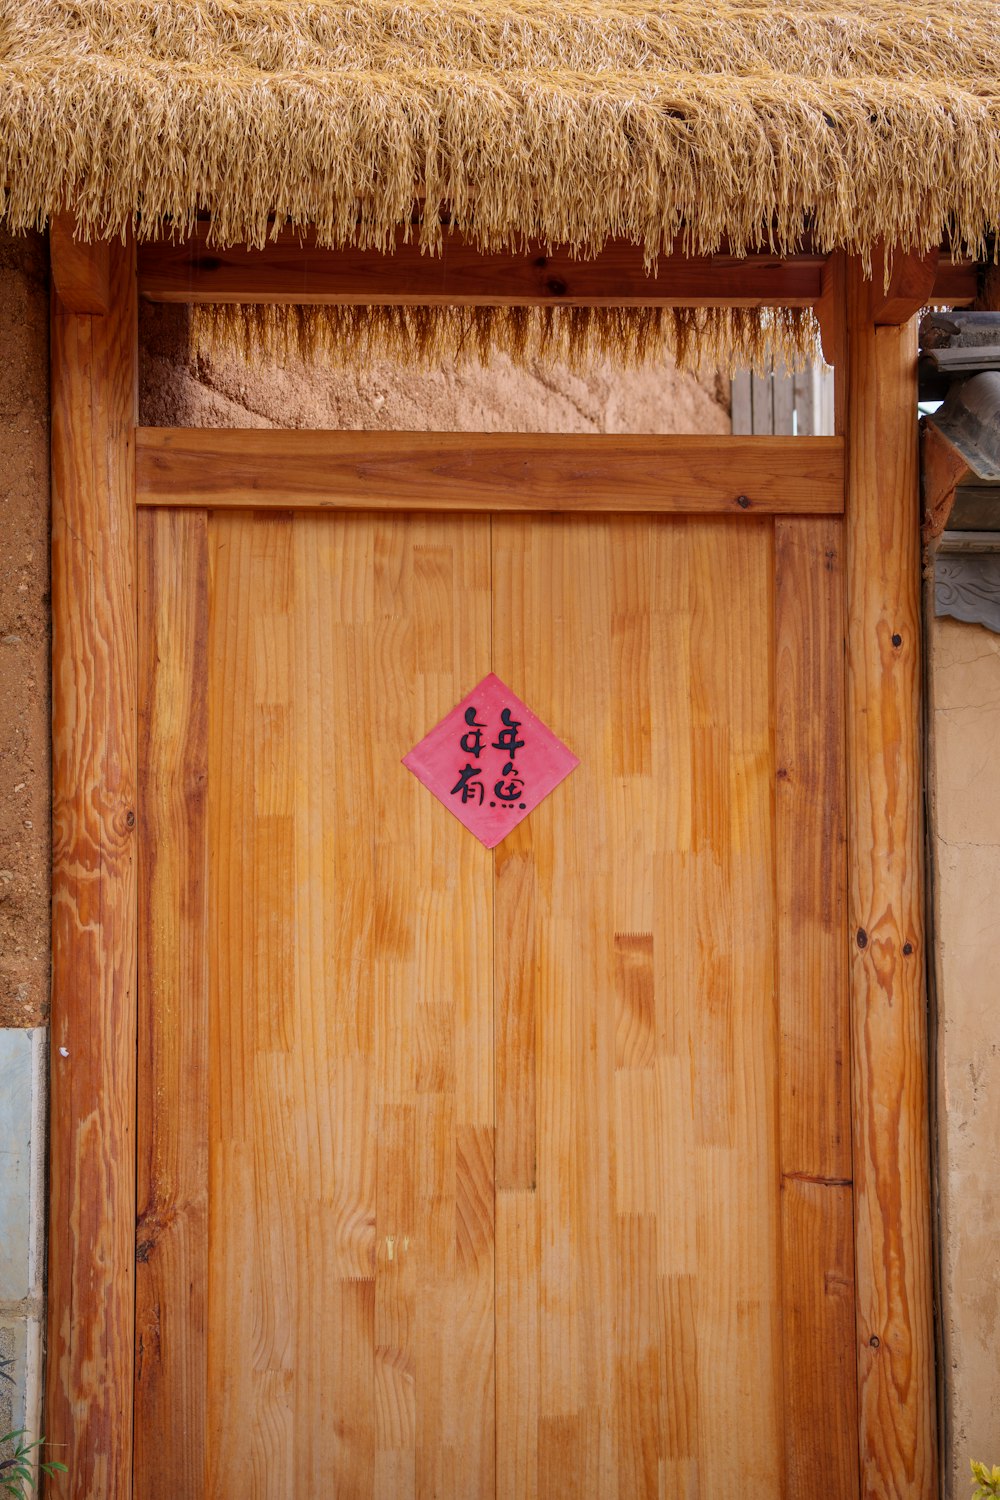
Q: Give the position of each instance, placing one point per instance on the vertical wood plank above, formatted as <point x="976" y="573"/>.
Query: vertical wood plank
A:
<point x="815" y="1040"/>
<point x="656" y="1025"/>
<point x="891" y="1161"/>
<point x="732" y="1016"/>
<point x="93" y="1033"/>
<point x="517" y="1354"/>
<point x="233" y="1267"/>
<point x="172" y="1084"/>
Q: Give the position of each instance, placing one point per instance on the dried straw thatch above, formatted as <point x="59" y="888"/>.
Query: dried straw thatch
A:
<point x="693" y="338"/>
<point x="553" y="121"/>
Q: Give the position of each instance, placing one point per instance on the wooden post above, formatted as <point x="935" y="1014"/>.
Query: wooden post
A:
<point x="891" y="1148"/>
<point x="92" y="1223"/>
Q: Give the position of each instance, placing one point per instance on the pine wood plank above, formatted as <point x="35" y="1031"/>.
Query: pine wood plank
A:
<point x="732" y="1025"/>
<point x="233" y="1416"/>
<point x="645" y="1158"/>
<point x="172" y="1084"/>
<point x="276" y="469"/>
<point x="432" y="608"/>
<point x="811" y="863"/>
<point x="515" y="1005"/>
<point x="293" y="269"/>
<point x="518" y="1371"/>
<point x="531" y="584"/>
<point x="891" y="1166"/>
<point x="815" y="1110"/>
<point x="91" y="1242"/>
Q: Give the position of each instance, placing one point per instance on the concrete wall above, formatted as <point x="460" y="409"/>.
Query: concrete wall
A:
<point x="23" y="1063"/>
<point x="964" y="782"/>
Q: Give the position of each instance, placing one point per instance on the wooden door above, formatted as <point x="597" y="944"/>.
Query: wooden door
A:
<point x="523" y="1173"/>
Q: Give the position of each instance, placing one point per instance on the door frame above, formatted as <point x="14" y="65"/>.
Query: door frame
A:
<point x="869" y="471"/>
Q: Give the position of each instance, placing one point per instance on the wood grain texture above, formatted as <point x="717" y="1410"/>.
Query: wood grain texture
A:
<point x="891" y="1158"/>
<point x="956" y="283"/>
<point x="81" y="272"/>
<point x="496" y="1141"/>
<point x="275" y="469"/>
<point x="642" y="1351"/>
<point x="942" y="469"/>
<point x="290" y="269"/>
<point x="815" y="1039"/>
<point x="912" y="281"/>
<point x="172" y="1139"/>
<point x="93" y="1031"/>
<point x="348" y="1338"/>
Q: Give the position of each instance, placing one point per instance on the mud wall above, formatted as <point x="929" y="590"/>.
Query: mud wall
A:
<point x="178" y="389"/>
<point x="24" y="631"/>
<point x="964" y="778"/>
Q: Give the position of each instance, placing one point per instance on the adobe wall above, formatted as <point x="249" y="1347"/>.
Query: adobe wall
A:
<point x="964" y="783"/>
<point x="178" y="389"/>
<point x="24" y="631"/>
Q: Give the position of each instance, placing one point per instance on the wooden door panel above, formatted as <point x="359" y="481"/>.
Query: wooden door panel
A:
<point x="523" y="1172"/>
<point x="173" y="1053"/>
<point x="655" y="1006"/>
<point x="817" y="1199"/>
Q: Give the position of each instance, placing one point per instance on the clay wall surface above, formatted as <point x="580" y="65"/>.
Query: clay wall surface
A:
<point x="178" y="389"/>
<point x="24" y="631"/>
<point x="964" y="777"/>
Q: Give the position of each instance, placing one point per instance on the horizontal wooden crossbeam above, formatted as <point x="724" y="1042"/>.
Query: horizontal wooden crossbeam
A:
<point x="291" y="269"/>
<point x="432" y="471"/>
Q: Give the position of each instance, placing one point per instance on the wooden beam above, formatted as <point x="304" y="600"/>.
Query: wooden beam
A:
<point x="885" y="894"/>
<point x="956" y="283"/>
<point x="80" y="272"/>
<point x="93" y="1031"/>
<point x="910" y="288"/>
<point x="290" y="270"/>
<point x="942" y="469"/>
<point x="274" y="469"/>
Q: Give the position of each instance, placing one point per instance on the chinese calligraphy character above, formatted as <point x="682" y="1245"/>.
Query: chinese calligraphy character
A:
<point x="467" y="785"/>
<point x="509" y="791"/>
<point x="490" y="761"/>
<point x="508" y="741"/>
<point x="472" y="741"/>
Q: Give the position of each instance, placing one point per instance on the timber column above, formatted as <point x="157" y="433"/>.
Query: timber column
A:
<point x="891" y="1147"/>
<point x="93" y="1031"/>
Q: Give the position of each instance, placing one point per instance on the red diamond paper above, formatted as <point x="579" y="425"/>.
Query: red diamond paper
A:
<point x="490" y="761"/>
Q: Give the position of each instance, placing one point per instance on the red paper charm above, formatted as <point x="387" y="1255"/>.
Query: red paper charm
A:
<point x="490" y="761"/>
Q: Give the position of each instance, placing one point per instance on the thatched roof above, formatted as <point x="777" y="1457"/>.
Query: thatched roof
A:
<point x="560" y="121"/>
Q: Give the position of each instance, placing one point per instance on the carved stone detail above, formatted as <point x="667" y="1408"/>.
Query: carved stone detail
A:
<point x="968" y="588"/>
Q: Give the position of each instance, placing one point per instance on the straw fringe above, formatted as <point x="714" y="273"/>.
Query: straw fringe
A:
<point x="559" y="121"/>
<point x="693" y="338"/>
<point x="694" y="125"/>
